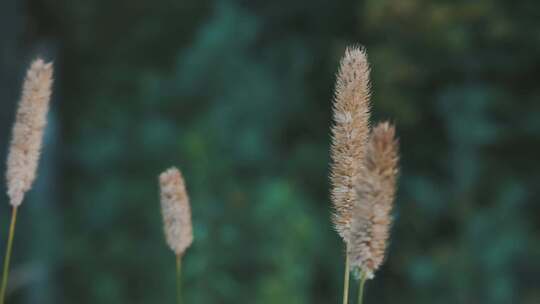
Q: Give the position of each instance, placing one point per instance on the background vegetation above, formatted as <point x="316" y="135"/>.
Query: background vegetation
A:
<point x="237" y="94"/>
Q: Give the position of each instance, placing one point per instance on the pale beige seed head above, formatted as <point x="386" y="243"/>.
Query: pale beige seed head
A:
<point x="27" y="137"/>
<point x="376" y="188"/>
<point x="176" y="211"/>
<point x="349" y="134"/>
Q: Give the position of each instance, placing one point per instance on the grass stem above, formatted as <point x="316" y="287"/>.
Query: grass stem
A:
<point x="8" y="254"/>
<point x="363" y="278"/>
<point x="178" y="279"/>
<point x="346" y="281"/>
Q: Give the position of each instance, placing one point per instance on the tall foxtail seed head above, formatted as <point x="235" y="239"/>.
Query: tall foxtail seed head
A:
<point x="349" y="134"/>
<point x="24" y="152"/>
<point x="176" y="211"/>
<point x="376" y="188"/>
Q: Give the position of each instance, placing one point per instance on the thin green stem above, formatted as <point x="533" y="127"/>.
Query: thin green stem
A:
<point x="346" y="281"/>
<point x="363" y="278"/>
<point x="178" y="278"/>
<point x="8" y="254"/>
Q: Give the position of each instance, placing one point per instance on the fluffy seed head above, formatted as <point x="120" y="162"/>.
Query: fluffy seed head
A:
<point x="176" y="211"/>
<point x="27" y="136"/>
<point x="376" y="188"/>
<point x="349" y="134"/>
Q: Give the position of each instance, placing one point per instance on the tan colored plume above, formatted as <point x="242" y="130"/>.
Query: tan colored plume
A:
<point x="349" y="134"/>
<point x="176" y="211"/>
<point x="27" y="137"/>
<point x="376" y="188"/>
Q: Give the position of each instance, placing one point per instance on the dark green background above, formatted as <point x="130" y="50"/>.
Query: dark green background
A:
<point x="238" y="95"/>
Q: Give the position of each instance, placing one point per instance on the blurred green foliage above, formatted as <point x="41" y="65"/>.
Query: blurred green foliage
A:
<point x="238" y="95"/>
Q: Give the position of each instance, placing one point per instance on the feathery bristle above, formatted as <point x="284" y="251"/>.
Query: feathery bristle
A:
<point x="349" y="134"/>
<point x="27" y="137"/>
<point x="176" y="211"/>
<point x="376" y="188"/>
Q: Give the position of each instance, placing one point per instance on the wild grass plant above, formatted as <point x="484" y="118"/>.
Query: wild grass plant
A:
<point x="176" y="213"/>
<point x="364" y="172"/>
<point x="25" y="148"/>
